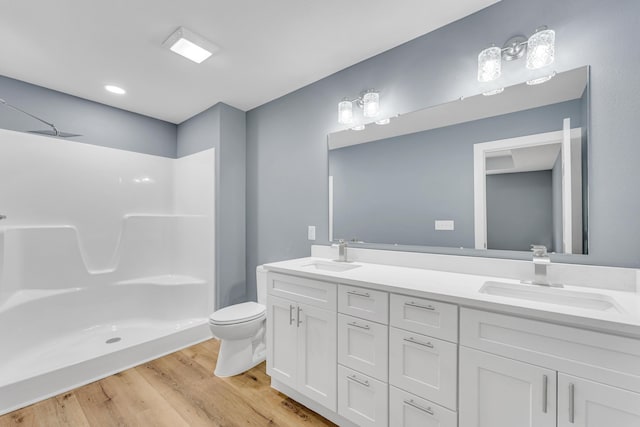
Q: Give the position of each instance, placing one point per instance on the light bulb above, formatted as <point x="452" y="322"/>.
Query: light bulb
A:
<point x="345" y="112"/>
<point x="489" y="64"/>
<point x="541" y="49"/>
<point x="371" y="104"/>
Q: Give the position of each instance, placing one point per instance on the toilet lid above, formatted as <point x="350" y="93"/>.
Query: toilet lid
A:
<point x="237" y="313"/>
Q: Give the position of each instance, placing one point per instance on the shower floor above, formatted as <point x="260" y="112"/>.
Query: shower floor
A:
<point x="81" y="357"/>
<point x="87" y="344"/>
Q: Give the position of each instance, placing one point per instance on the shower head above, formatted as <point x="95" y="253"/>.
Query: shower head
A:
<point x="53" y="132"/>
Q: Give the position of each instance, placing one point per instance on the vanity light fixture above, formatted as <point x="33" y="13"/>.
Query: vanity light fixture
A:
<point x="540" y="50"/>
<point x="493" y="92"/>
<point x="541" y="80"/>
<point x="384" y="121"/>
<point x="358" y="127"/>
<point x="369" y="101"/>
<point x="190" y="45"/>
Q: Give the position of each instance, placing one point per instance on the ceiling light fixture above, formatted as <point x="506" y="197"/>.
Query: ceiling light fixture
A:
<point x="115" y="89"/>
<point x="190" y="45"/>
<point x="369" y="101"/>
<point x="540" y="50"/>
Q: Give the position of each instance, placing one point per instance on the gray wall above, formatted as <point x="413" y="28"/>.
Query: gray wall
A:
<point x="286" y="138"/>
<point x="223" y="127"/>
<point x="392" y="190"/>
<point x="98" y="124"/>
<point x="519" y="210"/>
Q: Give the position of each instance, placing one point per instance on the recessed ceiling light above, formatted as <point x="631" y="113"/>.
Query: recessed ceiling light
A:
<point x="190" y="45"/>
<point x="115" y="89"/>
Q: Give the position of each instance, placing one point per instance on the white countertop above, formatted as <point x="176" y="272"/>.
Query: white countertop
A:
<point x="464" y="289"/>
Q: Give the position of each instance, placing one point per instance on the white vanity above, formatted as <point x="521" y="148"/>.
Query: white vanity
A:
<point x="378" y="345"/>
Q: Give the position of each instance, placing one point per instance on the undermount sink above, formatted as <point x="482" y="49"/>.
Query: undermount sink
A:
<point x="330" y="266"/>
<point x="577" y="299"/>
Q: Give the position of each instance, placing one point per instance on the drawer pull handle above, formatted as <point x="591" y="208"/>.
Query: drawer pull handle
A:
<point x="359" y="326"/>
<point x="415" y="405"/>
<point x="545" y="385"/>
<point x="412" y="340"/>
<point x="426" y="307"/>
<point x="290" y="314"/>
<point x="298" y="316"/>
<point x="572" y="395"/>
<point x="358" y="380"/>
<point x="359" y="294"/>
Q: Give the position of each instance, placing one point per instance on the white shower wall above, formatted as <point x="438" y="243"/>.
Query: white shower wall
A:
<point x="79" y="215"/>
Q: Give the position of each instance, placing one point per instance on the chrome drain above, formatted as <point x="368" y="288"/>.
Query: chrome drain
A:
<point x="112" y="340"/>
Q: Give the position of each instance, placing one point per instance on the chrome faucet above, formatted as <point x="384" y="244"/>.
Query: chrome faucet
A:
<point x="342" y="250"/>
<point x="541" y="261"/>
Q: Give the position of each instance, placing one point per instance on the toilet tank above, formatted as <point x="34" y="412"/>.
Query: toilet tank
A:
<point x="261" y="284"/>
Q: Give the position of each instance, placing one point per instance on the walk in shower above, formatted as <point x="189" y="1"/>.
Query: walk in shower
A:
<point x="106" y="261"/>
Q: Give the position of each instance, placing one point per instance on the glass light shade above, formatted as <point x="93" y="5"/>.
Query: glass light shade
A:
<point x="493" y="92"/>
<point x="541" y="49"/>
<point x="489" y="64"/>
<point x="371" y="104"/>
<point x="540" y="80"/>
<point x="345" y="112"/>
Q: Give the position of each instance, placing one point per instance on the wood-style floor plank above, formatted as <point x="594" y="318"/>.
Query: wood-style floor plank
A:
<point x="174" y="391"/>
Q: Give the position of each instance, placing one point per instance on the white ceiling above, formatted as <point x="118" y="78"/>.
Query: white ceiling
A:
<point x="268" y="48"/>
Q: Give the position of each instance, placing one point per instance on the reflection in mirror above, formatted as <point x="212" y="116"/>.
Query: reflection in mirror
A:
<point x="495" y="172"/>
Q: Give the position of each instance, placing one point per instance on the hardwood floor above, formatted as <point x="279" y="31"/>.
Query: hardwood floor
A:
<point x="173" y="391"/>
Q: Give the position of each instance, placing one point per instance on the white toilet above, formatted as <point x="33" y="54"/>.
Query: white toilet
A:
<point x="241" y="330"/>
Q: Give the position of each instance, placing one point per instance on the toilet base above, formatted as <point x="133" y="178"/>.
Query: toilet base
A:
<point x="238" y="356"/>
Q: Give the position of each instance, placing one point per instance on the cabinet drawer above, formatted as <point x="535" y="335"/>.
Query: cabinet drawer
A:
<point x="307" y="291"/>
<point x="362" y="399"/>
<point x="363" y="346"/>
<point x="364" y="303"/>
<point x="436" y="319"/>
<point x="407" y="410"/>
<point x="602" y="357"/>
<point x="424" y="366"/>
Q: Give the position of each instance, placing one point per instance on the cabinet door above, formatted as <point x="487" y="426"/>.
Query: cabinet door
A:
<point x="584" y="403"/>
<point x="500" y="392"/>
<point x="317" y="354"/>
<point x="363" y="346"/>
<point x="407" y="410"/>
<point x="424" y="366"/>
<point x="362" y="399"/>
<point x="282" y="337"/>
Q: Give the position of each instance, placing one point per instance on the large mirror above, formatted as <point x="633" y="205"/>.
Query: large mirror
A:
<point x="487" y="172"/>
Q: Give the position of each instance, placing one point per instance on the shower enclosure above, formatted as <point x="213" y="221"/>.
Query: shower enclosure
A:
<point x="106" y="261"/>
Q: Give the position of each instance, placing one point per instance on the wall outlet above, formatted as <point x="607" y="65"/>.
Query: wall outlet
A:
<point x="444" y="224"/>
<point x="311" y="232"/>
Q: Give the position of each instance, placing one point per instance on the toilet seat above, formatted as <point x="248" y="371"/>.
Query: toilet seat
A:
<point x="238" y="313"/>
